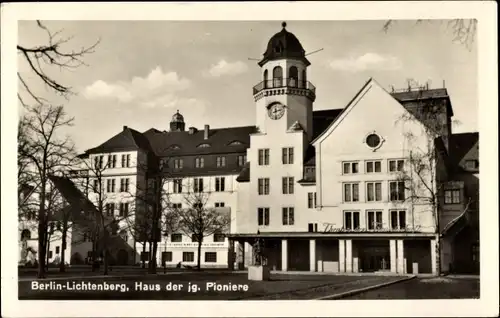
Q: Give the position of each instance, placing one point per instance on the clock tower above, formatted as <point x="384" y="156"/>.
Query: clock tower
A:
<point x="284" y="97"/>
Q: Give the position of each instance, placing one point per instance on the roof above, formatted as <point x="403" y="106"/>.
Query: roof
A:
<point x="75" y="198"/>
<point x="412" y="95"/>
<point x="423" y="94"/>
<point x="460" y="145"/>
<point x="182" y="143"/>
<point x="244" y="175"/>
<point x="322" y="120"/>
<point x="284" y="45"/>
<point x="127" y="139"/>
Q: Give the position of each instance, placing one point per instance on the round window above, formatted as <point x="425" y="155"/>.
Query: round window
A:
<point x="373" y="140"/>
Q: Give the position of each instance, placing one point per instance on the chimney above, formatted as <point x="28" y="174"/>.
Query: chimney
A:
<point x="192" y="130"/>
<point x="124" y="127"/>
<point x="207" y="129"/>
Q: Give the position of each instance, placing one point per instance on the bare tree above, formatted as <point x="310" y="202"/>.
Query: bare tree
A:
<point x="51" y="54"/>
<point x="199" y="221"/>
<point x="422" y="175"/>
<point x="463" y="30"/>
<point x="152" y="199"/>
<point x="46" y="154"/>
<point x="102" y="225"/>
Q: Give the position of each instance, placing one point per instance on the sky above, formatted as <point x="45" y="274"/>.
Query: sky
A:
<point x="142" y="72"/>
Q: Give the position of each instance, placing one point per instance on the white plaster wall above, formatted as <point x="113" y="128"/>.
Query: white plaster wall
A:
<point x="346" y="143"/>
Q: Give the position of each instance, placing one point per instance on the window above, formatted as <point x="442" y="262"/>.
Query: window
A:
<point x="198" y="205"/>
<point x="263" y="157"/>
<point x="351" y="192"/>
<point x="176" y="238"/>
<point x="178" y="163"/>
<point x="199" y="162"/>
<point x="398" y="219"/>
<point x="176" y="205"/>
<point x="293" y="75"/>
<point x="373" y="166"/>
<point x="312" y="227"/>
<point x="194" y="237"/>
<point x="452" y="196"/>
<point x="221" y="161"/>
<point x="351" y="220"/>
<point x="277" y="72"/>
<point x="287" y="185"/>
<point x="311" y="200"/>
<point x="219" y="237"/>
<point x="210" y="257"/>
<point x="204" y="146"/>
<point x="198" y="184"/>
<point x="50" y="254"/>
<point x="350" y="167"/>
<point x="95" y="186"/>
<point x="263" y="216"/>
<point x="287" y="156"/>
<point x="98" y="162"/>
<point x="235" y="143"/>
<point x="219" y="204"/>
<point x="242" y="159"/>
<point x="373" y="140"/>
<point x="110" y="186"/>
<point x="397" y="190"/>
<point x="166" y="257"/>
<point x="472" y="164"/>
<point x="123" y="209"/>
<point x="177" y="185"/>
<point x="263" y="186"/>
<point x="374" y="220"/>
<point x="111" y="161"/>
<point x="57" y="249"/>
<point x="125" y="161"/>
<point x="373" y="191"/>
<point x="288" y="216"/>
<point x="396" y="165"/>
<point x="124" y="184"/>
<point x="110" y="209"/>
<point x="220" y="183"/>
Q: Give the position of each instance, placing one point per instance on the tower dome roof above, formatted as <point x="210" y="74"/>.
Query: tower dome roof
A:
<point x="177" y="118"/>
<point x="284" y="45"/>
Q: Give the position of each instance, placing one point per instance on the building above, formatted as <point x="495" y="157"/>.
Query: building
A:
<point x="381" y="184"/>
<point x="353" y="193"/>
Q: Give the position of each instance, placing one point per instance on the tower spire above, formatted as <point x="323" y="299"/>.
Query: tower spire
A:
<point x="283" y="24"/>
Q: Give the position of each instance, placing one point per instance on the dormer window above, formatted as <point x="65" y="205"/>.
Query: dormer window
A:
<point x="174" y="147"/>
<point x="236" y="143"/>
<point x="472" y="164"/>
<point x="204" y="146"/>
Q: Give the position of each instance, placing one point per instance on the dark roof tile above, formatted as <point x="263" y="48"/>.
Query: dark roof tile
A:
<point x="461" y="144"/>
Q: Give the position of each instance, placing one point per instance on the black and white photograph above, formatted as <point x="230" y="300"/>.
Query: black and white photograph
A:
<point x="282" y="158"/>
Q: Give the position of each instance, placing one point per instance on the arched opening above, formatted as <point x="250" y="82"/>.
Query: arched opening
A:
<point x="277" y="76"/>
<point x="122" y="257"/>
<point x="266" y="75"/>
<point x="304" y="79"/>
<point x="25" y="235"/>
<point x="293" y="75"/>
<point x="76" y="259"/>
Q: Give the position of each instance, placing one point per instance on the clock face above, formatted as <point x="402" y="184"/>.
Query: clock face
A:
<point x="276" y="111"/>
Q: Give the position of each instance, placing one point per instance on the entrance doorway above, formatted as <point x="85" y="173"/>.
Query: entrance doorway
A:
<point x="374" y="255"/>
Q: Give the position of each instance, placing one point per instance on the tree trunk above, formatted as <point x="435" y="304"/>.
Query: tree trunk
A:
<point x="47" y="260"/>
<point x="105" y="254"/>
<point x="62" y="266"/>
<point x="41" y="250"/>
<point x="143" y="261"/>
<point x="94" y="254"/>
<point x="438" y="255"/>
<point x="200" y="241"/>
